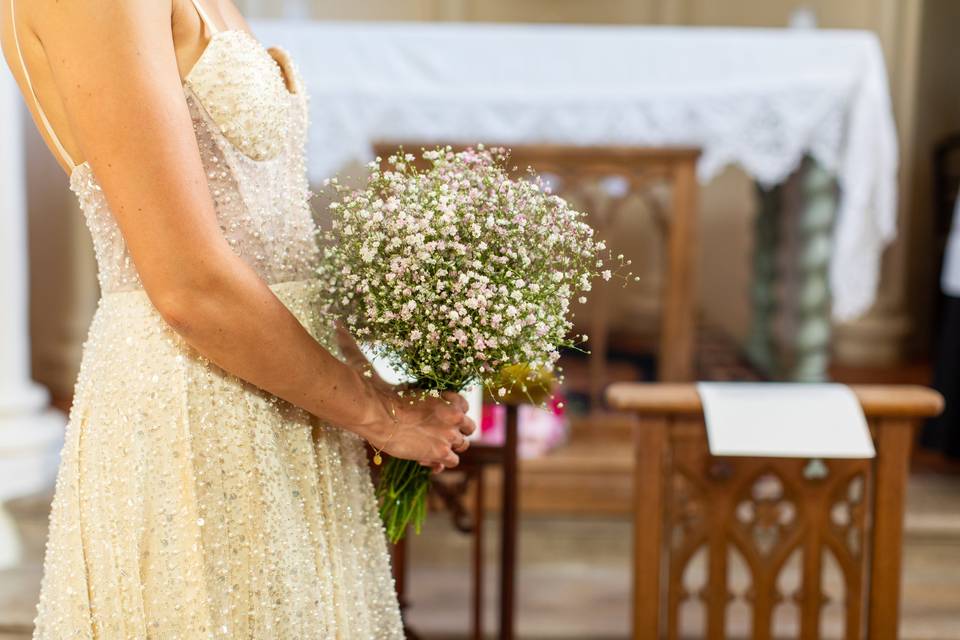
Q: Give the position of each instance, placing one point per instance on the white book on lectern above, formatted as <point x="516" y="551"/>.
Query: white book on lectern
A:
<point x="784" y="420"/>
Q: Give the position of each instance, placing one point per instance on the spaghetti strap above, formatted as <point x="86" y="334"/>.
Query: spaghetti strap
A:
<point x="203" y="16"/>
<point x="26" y="75"/>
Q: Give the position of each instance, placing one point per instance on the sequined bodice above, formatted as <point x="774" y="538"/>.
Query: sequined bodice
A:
<point x="251" y="131"/>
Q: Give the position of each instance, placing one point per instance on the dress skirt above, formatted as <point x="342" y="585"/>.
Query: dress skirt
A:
<point x="191" y="504"/>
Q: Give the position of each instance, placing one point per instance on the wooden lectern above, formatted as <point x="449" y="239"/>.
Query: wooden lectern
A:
<point x="703" y="523"/>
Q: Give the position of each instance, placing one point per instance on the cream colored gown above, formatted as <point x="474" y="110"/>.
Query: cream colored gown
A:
<point x="190" y="504"/>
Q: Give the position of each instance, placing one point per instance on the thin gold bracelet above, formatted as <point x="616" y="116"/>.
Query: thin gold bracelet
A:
<point x="377" y="458"/>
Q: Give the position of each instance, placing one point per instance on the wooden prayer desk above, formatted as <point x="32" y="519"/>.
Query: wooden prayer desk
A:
<point x="760" y="515"/>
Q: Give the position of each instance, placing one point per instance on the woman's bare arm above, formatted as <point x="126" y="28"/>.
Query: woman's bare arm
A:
<point x="114" y="65"/>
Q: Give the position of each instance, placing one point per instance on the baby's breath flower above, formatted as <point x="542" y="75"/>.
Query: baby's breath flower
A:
<point x="453" y="272"/>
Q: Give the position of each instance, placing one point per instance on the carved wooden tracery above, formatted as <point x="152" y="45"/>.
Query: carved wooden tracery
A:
<point x="767" y="524"/>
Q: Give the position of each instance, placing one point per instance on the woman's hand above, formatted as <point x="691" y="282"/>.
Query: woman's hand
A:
<point x="432" y="431"/>
<point x="417" y="426"/>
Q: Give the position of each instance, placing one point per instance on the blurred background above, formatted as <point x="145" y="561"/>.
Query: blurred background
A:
<point x="748" y="172"/>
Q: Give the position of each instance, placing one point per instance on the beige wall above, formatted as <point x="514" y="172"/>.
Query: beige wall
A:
<point x="938" y="115"/>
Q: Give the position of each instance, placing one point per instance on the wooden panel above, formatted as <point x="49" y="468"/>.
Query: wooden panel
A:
<point x="580" y="11"/>
<point x="650" y="449"/>
<point x="683" y="399"/>
<point x="776" y="13"/>
<point x="374" y="10"/>
<point x="893" y="450"/>
<point x="679" y="294"/>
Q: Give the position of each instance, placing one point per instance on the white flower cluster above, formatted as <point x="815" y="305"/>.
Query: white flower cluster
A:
<point x="452" y="270"/>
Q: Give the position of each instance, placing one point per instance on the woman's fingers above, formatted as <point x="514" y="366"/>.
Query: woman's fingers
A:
<point x="435" y="467"/>
<point x="456" y="400"/>
<point x="467" y="425"/>
<point x="445" y="419"/>
<point x="450" y="460"/>
<point x="448" y="414"/>
<point x="462" y="446"/>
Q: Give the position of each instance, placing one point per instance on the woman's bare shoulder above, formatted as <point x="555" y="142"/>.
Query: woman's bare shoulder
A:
<point x="62" y="48"/>
<point x="46" y="18"/>
<point x="35" y="29"/>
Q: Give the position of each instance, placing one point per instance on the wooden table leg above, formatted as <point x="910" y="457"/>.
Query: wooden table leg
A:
<point x="398" y="553"/>
<point x="676" y="358"/>
<point x="599" y="343"/>
<point x="508" y="528"/>
<point x="478" y="556"/>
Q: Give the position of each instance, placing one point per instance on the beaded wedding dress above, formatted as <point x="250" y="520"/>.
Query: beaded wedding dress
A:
<point x="188" y="503"/>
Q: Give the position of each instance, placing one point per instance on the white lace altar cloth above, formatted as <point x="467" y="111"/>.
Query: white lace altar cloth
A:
<point x="759" y="98"/>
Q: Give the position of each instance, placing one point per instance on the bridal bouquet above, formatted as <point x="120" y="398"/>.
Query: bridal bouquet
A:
<point x="453" y="272"/>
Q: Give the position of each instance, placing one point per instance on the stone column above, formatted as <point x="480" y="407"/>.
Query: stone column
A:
<point x="818" y="190"/>
<point x="31" y="433"/>
<point x="761" y="344"/>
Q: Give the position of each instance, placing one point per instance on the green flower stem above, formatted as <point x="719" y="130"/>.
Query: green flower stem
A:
<point x="404" y="484"/>
<point x="403" y="494"/>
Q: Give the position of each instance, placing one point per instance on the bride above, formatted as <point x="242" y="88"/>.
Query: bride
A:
<point x="214" y="482"/>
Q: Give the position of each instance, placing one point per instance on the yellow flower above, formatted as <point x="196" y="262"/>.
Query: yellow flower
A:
<point x="519" y="384"/>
